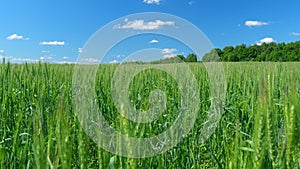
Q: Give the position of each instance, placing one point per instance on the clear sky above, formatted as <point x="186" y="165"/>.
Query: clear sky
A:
<point x="55" y="30"/>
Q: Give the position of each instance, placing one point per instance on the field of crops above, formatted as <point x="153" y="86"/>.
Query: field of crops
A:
<point x="260" y="126"/>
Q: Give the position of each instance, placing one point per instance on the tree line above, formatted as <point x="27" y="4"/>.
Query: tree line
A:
<point x="273" y="52"/>
<point x="266" y="52"/>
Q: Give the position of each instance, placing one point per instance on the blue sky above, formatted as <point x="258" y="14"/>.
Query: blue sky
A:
<point x="54" y="31"/>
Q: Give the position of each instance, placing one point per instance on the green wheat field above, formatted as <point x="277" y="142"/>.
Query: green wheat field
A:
<point x="260" y="126"/>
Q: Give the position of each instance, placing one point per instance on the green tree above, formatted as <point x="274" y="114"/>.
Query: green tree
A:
<point x="191" y="57"/>
<point x="181" y="57"/>
<point x="227" y="52"/>
<point x="212" y="56"/>
<point x="275" y="52"/>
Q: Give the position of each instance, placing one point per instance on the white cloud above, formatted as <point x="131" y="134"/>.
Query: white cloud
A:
<point x="24" y="60"/>
<point x="46" y="57"/>
<point x="89" y="60"/>
<point x="255" y="23"/>
<point x="2" y="51"/>
<point x="65" y="57"/>
<point x="114" y="62"/>
<point x="4" y="57"/>
<point x="152" y="1"/>
<point x="169" y="55"/>
<point x="64" y="62"/>
<point x="79" y="50"/>
<point x="191" y="3"/>
<point x="16" y="37"/>
<point x="142" y="25"/>
<point x="265" y="40"/>
<point x="53" y="43"/>
<point x="154" y="41"/>
<point x="45" y="51"/>
<point x="18" y="60"/>
<point x="295" y="34"/>
<point x="169" y="52"/>
<point x="119" y="56"/>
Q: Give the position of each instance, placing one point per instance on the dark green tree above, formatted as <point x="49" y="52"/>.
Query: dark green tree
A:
<point x="274" y="52"/>
<point x="212" y="56"/>
<point x="181" y="57"/>
<point x="191" y="57"/>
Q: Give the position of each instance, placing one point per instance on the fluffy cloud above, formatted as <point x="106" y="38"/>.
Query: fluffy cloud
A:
<point x="64" y="62"/>
<point x="2" y="51"/>
<point x="24" y="60"/>
<point x="53" y="43"/>
<point x="152" y="1"/>
<point x="4" y="57"/>
<point x="89" y="60"/>
<point x="142" y="25"/>
<point x="265" y="40"/>
<point x="44" y="58"/>
<point x="16" y="37"/>
<point x="191" y="3"/>
<point x="169" y="52"/>
<point x="65" y="57"/>
<point x="114" y="62"/>
<point x="255" y="23"/>
<point x="154" y="41"/>
<point x="295" y="34"/>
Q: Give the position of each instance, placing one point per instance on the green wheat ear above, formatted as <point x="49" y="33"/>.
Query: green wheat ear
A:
<point x="291" y="130"/>
<point x="262" y="125"/>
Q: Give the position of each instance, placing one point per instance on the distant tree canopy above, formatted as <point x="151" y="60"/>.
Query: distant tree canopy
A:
<point x="274" y="52"/>
<point x="191" y="58"/>
<point x="181" y="57"/>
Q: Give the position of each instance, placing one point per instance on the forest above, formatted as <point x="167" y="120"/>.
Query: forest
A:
<point x="272" y="52"/>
